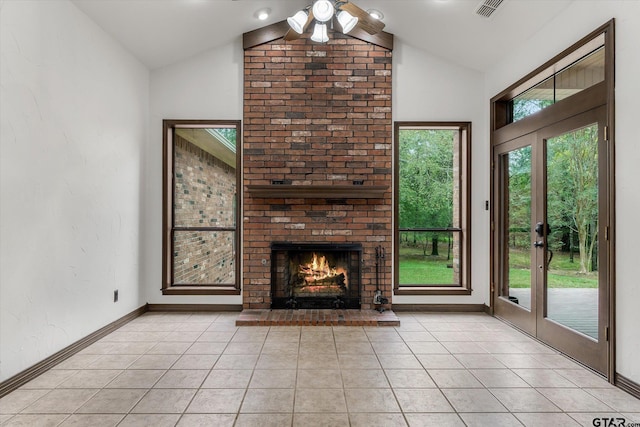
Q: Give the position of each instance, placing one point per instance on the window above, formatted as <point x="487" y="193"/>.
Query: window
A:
<point x="572" y="73"/>
<point x="432" y="219"/>
<point x="201" y="209"/>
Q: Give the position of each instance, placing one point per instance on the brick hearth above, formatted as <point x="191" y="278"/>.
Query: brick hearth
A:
<point x="317" y="318"/>
<point x="316" y="115"/>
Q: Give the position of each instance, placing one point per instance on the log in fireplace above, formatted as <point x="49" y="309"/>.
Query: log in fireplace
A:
<point x="315" y="275"/>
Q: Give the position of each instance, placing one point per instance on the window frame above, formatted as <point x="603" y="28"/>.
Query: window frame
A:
<point x="464" y="288"/>
<point x="168" y="227"/>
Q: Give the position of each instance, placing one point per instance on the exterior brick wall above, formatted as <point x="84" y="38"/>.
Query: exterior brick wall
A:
<point x="205" y="189"/>
<point x="204" y="257"/>
<point x="316" y="114"/>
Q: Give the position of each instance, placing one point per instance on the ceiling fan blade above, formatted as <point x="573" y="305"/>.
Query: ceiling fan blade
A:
<point x="365" y="21"/>
<point x="309" y="19"/>
<point x="291" y="35"/>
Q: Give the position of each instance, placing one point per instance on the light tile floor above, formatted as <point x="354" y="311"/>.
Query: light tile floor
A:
<point x="199" y="369"/>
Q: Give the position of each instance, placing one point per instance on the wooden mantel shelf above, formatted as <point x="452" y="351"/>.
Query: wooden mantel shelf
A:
<point x="312" y="191"/>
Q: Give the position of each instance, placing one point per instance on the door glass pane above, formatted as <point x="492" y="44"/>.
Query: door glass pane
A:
<point x="517" y="284"/>
<point x="572" y="215"/>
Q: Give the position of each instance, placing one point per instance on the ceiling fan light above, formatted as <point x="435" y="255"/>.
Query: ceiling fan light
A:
<point x="320" y="33"/>
<point x="322" y="10"/>
<point x="298" y="21"/>
<point x="263" y="14"/>
<point x="376" y="14"/>
<point x="347" y="21"/>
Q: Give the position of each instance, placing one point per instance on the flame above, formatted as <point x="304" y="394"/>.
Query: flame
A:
<point x="318" y="269"/>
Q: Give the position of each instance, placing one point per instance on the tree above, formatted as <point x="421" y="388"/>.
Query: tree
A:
<point x="426" y="181"/>
<point x="572" y="188"/>
<point x="523" y="107"/>
<point x="519" y="195"/>
<point x="228" y="133"/>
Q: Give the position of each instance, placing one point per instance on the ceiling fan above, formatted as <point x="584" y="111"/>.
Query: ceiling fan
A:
<point x="346" y="13"/>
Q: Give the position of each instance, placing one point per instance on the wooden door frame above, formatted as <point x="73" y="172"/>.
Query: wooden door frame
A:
<point x="519" y="317"/>
<point x="501" y="130"/>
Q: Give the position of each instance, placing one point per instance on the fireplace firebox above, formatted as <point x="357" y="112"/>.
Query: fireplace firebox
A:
<point x="315" y="275"/>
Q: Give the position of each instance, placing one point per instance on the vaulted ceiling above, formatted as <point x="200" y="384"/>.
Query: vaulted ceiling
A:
<point x="162" y="32"/>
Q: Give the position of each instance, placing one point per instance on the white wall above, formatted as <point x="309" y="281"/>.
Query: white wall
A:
<point x="427" y="88"/>
<point x="207" y="86"/>
<point x="74" y="122"/>
<point x="572" y="24"/>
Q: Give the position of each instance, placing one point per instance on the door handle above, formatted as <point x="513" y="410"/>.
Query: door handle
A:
<point x="540" y="244"/>
<point x="540" y="229"/>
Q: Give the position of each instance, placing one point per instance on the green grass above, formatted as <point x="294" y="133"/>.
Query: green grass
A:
<point x="562" y="272"/>
<point x="520" y="278"/>
<point x="418" y="269"/>
<point x="421" y="272"/>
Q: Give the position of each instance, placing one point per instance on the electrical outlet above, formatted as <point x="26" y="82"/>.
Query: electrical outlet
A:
<point x="115" y="295"/>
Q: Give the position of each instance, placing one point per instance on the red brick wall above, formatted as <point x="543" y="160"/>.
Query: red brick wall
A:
<point x="316" y="114"/>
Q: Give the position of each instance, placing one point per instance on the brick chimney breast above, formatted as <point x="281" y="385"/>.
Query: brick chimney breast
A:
<point x="317" y="115"/>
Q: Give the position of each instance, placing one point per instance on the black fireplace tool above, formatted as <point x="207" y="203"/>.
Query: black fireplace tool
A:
<point x="378" y="299"/>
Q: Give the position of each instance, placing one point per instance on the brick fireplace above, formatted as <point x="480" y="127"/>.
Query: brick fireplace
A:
<point x="317" y="151"/>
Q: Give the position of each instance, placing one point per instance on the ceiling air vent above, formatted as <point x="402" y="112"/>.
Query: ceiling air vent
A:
<point x="487" y="7"/>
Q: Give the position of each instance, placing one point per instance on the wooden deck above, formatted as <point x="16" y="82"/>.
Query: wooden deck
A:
<point x="576" y="308"/>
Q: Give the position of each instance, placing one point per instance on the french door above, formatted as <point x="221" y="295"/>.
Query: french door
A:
<point x="551" y="243"/>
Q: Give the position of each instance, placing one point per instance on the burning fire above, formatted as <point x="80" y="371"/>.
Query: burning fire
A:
<point x="319" y="270"/>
